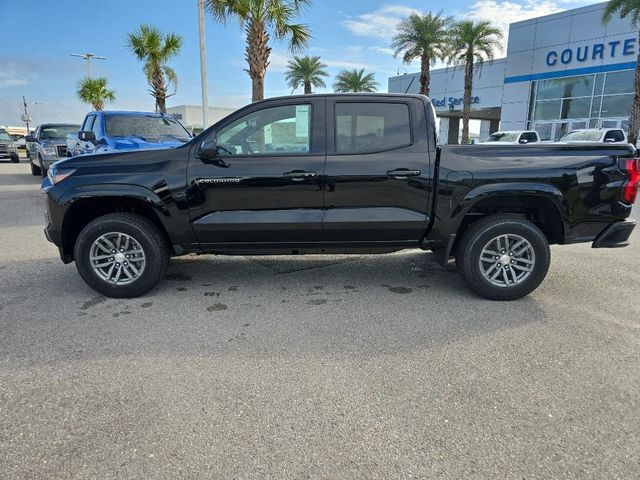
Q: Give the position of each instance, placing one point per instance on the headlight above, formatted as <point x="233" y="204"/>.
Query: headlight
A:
<point x="56" y="175"/>
<point x="51" y="151"/>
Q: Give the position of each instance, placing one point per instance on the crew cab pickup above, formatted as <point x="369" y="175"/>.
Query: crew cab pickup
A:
<point x="352" y="173"/>
<point x="48" y="144"/>
<point x="107" y="131"/>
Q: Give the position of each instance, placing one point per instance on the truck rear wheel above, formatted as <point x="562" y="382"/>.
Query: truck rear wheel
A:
<point x="503" y="257"/>
<point x="121" y="255"/>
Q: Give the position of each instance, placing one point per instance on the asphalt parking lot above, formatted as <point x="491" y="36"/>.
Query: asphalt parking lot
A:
<point x="313" y="367"/>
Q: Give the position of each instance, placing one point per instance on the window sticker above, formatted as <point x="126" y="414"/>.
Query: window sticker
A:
<point x="302" y="120"/>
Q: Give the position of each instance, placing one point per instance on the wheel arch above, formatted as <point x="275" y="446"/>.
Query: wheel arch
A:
<point x="85" y="206"/>
<point x="542" y="204"/>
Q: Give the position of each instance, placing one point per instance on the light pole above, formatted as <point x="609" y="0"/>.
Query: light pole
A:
<point x="26" y="118"/>
<point x="203" y="67"/>
<point x="88" y="57"/>
<point x="37" y="104"/>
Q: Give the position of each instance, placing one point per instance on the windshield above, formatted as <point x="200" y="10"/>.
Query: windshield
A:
<point x="583" y="136"/>
<point x="57" y="131"/>
<point x="503" y="137"/>
<point x="145" y="127"/>
<point x="5" y="136"/>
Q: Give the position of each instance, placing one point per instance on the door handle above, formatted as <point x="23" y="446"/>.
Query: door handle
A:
<point x="298" y="175"/>
<point x="403" y="173"/>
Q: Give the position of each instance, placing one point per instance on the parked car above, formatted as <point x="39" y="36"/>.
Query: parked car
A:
<point x="353" y="173"/>
<point x="20" y="141"/>
<point x="47" y="145"/>
<point x="597" y="135"/>
<point x="109" y="131"/>
<point x="8" y="148"/>
<point x="513" y="137"/>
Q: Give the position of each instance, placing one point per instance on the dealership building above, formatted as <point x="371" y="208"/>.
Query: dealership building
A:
<point x="561" y="72"/>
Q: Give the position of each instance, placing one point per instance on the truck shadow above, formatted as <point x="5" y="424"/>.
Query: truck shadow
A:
<point x="346" y="306"/>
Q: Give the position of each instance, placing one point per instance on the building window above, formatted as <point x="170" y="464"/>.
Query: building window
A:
<point x="544" y="131"/>
<point x="547" y="110"/>
<point x="575" y="107"/>
<point x="616" y="105"/>
<point x="581" y="86"/>
<point x="582" y="100"/>
<point x="619" y="82"/>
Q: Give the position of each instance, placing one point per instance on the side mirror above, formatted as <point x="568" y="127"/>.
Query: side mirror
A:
<point x="207" y="150"/>
<point x="609" y="140"/>
<point x="523" y="141"/>
<point x="30" y="138"/>
<point x="87" y="136"/>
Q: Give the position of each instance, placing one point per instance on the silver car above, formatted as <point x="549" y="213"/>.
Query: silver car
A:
<point x="8" y="148"/>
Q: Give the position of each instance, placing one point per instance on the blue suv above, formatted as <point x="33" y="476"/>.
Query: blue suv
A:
<point x="107" y="131"/>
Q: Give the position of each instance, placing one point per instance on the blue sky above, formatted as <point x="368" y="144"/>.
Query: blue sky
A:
<point x="35" y="46"/>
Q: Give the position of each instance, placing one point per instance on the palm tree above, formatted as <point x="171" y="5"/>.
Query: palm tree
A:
<point x="425" y="37"/>
<point x="94" y="91"/>
<point x="261" y="20"/>
<point x="472" y="42"/>
<point x="631" y="8"/>
<point x="355" y="81"/>
<point x="154" y="48"/>
<point x="306" y="71"/>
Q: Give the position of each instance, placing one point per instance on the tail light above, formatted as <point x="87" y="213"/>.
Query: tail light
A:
<point x="630" y="189"/>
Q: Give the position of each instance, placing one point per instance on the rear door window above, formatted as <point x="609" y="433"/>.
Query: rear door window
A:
<point x="371" y="127"/>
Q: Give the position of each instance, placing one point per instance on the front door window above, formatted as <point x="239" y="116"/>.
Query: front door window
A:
<point x="283" y="130"/>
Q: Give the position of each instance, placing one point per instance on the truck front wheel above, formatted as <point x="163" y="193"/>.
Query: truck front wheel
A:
<point x="35" y="170"/>
<point x="503" y="257"/>
<point x="121" y="255"/>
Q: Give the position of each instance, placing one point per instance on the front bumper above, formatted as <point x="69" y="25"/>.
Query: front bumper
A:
<point x="53" y="217"/>
<point x="47" y="161"/>
<point x="615" y="235"/>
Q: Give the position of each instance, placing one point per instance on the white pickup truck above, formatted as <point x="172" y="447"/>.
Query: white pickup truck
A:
<point x="515" y="137"/>
<point x="591" y="135"/>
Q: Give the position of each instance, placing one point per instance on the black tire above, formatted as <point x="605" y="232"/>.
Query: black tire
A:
<point x="475" y="239"/>
<point x="15" y="158"/>
<point x="144" y="232"/>
<point x="43" y="170"/>
<point x="35" y="171"/>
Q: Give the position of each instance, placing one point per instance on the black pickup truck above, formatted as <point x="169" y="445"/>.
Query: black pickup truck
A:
<point x="354" y="173"/>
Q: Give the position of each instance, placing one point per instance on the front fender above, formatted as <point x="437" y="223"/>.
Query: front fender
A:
<point x="136" y="192"/>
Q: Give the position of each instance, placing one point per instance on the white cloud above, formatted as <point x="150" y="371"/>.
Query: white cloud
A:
<point x="13" y="74"/>
<point x="380" y="23"/>
<point x="384" y="50"/>
<point x="278" y="61"/>
<point x="503" y="13"/>
<point x="348" y="64"/>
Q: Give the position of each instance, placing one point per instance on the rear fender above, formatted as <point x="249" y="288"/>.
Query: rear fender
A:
<point x="543" y="191"/>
